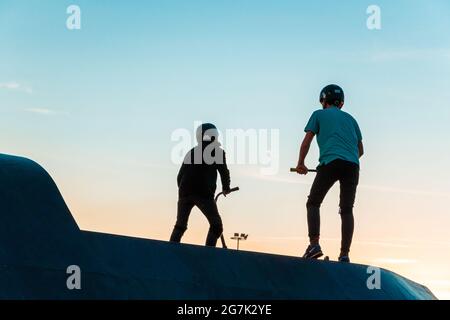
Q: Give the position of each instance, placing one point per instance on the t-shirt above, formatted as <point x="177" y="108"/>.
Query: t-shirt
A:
<point x="338" y="135"/>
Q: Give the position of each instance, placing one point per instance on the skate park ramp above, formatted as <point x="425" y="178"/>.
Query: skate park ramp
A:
<point x="39" y="240"/>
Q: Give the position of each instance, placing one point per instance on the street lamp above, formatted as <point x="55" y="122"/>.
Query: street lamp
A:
<point x="239" y="237"/>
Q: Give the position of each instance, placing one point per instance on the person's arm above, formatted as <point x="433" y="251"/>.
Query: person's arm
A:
<point x="180" y="174"/>
<point x="360" y="149"/>
<point x="186" y="161"/>
<point x="224" y="174"/>
<point x="304" y="149"/>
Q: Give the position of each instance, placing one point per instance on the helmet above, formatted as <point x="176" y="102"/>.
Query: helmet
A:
<point x="332" y="94"/>
<point x="207" y="132"/>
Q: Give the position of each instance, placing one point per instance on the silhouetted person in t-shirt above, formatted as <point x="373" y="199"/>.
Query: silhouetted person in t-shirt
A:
<point x="340" y="143"/>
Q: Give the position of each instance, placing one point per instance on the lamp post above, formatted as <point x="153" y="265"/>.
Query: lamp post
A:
<point x="238" y="237"/>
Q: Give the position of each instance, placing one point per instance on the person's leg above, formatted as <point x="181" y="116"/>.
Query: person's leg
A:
<point x="348" y="180"/>
<point x="209" y="208"/>
<point x="185" y="206"/>
<point x="324" y="180"/>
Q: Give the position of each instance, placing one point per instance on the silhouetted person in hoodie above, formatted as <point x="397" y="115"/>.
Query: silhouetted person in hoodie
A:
<point x="197" y="184"/>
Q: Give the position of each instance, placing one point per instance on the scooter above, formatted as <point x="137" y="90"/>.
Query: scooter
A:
<point x="222" y="238"/>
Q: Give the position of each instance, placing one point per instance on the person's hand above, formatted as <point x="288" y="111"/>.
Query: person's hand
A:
<point x="301" y="169"/>
<point x="225" y="192"/>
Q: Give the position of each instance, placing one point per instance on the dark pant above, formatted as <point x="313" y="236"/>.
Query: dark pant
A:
<point x="347" y="173"/>
<point x="208" y="207"/>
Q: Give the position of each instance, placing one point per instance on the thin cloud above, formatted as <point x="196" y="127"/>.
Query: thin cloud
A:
<point x="296" y="180"/>
<point x="41" y="111"/>
<point x="421" y="242"/>
<point x="407" y="191"/>
<point x="14" y="86"/>
<point x="145" y="164"/>
<point x="394" y="261"/>
<point x="383" y="244"/>
<point x="272" y="178"/>
<point x="360" y="242"/>
<point x="279" y="179"/>
<point x="10" y="85"/>
<point x="45" y="111"/>
<point x="410" y="54"/>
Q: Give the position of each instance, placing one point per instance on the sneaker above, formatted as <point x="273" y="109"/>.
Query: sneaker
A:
<point x="313" y="252"/>
<point x="344" y="259"/>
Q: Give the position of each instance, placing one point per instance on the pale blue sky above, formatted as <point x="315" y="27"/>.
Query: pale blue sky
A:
<point x="97" y="108"/>
<point x="180" y="61"/>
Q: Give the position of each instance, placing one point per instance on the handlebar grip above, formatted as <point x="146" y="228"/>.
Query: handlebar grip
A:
<point x="234" y="189"/>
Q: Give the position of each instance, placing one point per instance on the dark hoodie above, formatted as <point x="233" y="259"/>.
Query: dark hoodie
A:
<point x="198" y="175"/>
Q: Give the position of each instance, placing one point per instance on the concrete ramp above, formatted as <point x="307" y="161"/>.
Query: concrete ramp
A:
<point x="35" y="223"/>
<point x="39" y="239"/>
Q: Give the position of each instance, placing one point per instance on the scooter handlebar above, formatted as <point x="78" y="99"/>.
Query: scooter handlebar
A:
<point x="309" y="170"/>
<point x="230" y="191"/>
